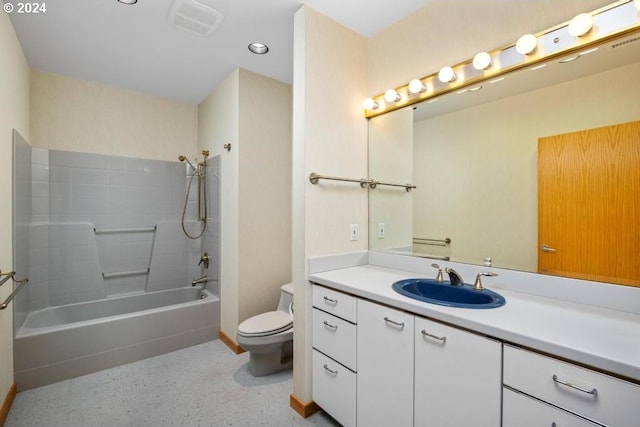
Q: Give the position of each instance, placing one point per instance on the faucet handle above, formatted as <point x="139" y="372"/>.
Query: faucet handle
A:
<point x="440" y="276"/>
<point x="205" y="259"/>
<point x="477" y="285"/>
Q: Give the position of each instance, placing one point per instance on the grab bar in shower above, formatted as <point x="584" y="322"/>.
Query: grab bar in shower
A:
<point x="124" y="230"/>
<point x="125" y="274"/>
<point x="21" y="283"/>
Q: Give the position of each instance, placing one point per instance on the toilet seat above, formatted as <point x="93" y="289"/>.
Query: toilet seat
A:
<point x="270" y="323"/>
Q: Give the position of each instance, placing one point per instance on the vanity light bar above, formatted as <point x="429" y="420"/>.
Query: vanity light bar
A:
<point x="579" y="34"/>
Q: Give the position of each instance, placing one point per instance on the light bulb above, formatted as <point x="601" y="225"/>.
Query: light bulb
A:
<point x="580" y="25"/>
<point x="526" y="44"/>
<point x="416" y="86"/>
<point x="482" y="61"/>
<point x="391" y="95"/>
<point x="446" y="75"/>
<point x="369" y="104"/>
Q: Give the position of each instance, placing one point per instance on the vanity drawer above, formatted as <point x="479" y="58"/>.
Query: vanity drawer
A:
<point x="334" y="389"/>
<point x="334" y="302"/>
<point x="594" y="395"/>
<point x="335" y="337"/>
<point x="520" y="410"/>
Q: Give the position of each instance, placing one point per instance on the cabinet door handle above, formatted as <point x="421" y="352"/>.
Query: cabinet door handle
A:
<point x="592" y="392"/>
<point x="330" y="326"/>
<point x="435" y="337"/>
<point x="329" y="370"/>
<point x="393" y="322"/>
<point x="330" y="301"/>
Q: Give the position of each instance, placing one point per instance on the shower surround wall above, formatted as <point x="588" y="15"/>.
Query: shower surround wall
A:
<point x="94" y="216"/>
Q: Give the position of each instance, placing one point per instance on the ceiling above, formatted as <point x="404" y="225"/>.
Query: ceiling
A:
<point x="134" y="47"/>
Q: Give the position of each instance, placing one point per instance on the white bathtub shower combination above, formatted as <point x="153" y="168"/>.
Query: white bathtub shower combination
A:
<point x="109" y="267"/>
<point x="62" y="342"/>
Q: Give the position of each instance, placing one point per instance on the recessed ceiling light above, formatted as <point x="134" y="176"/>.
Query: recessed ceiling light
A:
<point x="258" y="48"/>
<point x="128" y="1"/>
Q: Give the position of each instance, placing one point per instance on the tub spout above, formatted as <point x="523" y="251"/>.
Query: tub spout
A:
<point x="199" y="281"/>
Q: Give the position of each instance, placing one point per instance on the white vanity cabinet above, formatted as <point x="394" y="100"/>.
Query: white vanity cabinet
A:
<point x="457" y="376"/>
<point x="385" y="366"/>
<point x="334" y="354"/>
<point x="521" y="410"/>
<point x="573" y="389"/>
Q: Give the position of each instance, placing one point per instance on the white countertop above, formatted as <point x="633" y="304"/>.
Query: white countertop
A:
<point x="604" y="339"/>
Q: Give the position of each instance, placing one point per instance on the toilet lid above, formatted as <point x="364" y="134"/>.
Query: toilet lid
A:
<point x="269" y="323"/>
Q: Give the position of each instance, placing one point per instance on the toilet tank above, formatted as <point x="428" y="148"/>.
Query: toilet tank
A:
<point x="286" y="297"/>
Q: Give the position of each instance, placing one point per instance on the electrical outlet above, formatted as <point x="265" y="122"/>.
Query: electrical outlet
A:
<point x="381" y="230"/>
<point x="353" y="232"/>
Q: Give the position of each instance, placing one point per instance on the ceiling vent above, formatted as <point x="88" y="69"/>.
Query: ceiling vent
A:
<point x="195" y="16"/>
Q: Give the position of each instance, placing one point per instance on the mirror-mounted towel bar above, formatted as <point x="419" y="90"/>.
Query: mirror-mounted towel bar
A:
<point x="314" y="178"/>
<point x="433" y="242"/>
<point x="21" y="283"/>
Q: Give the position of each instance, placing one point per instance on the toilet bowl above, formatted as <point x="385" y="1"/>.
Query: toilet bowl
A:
<point x="268" y="337"/>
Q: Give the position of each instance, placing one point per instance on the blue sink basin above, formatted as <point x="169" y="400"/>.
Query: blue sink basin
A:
<point x="443" y="293"/>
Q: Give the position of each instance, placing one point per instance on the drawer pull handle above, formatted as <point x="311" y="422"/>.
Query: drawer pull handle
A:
<point x="330" y="301"/>
<point x="435" y="337"/>
<point x="393" y="322"/>
<point x="329" y="370"/>
<point x="593" y="391"/>
<point x="330" y="326"/>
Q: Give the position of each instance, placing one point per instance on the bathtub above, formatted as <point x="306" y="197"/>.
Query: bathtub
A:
<point x="58" y="343"/>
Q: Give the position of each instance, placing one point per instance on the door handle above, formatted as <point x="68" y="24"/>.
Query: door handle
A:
<point x="545" y="248"/>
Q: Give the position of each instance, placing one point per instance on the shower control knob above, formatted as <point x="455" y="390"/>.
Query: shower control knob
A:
<point x="205" y="259"/>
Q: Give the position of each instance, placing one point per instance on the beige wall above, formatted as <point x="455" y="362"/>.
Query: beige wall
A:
<point x="330" y="138"/>
<point x="264" y="190"/>
<point x="446" y="32"/>
<point x="253" y="113"/>
<point x="75" y="115"/>
<point x="14" y="113"/>
<point x="218" y="119"/>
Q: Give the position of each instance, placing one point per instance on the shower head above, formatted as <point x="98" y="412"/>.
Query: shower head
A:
<point x="184" y="159"/>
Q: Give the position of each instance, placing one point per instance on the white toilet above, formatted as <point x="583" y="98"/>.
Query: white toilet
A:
<point x="268" y="337"/>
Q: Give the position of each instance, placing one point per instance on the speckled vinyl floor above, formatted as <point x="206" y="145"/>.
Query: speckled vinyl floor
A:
<point x="203" y="385"/>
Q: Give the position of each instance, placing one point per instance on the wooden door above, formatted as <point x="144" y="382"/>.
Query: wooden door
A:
<point x="589" y="204"/>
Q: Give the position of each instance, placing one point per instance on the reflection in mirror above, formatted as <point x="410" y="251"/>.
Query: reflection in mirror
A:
<point x="474" y="157"/>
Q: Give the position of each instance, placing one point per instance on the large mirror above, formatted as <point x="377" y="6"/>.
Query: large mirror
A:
<point x="474" y="159"/>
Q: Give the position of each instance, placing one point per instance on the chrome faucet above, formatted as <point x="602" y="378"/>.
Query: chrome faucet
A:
<point x="439" y="277"/>
<point x="205" y="258"/>
<point x="477" y="285"/>
<point x="454" y="277"/>
<point x="199" y="281"/>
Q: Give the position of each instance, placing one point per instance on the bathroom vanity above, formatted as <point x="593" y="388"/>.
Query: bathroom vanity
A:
<point x="381" y="358"/>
